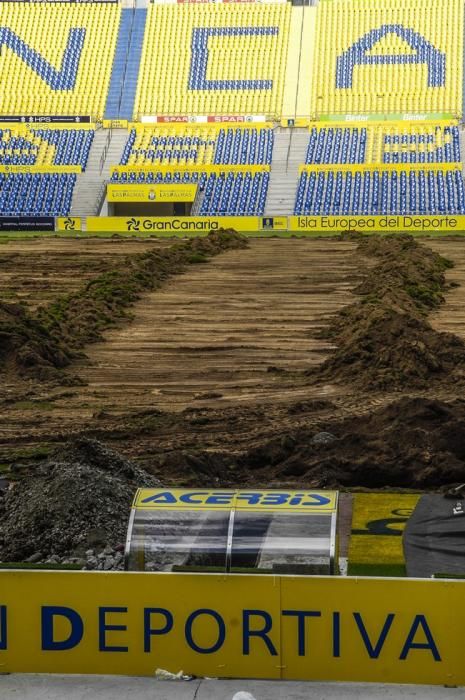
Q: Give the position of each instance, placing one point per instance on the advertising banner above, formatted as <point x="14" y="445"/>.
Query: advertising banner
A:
<point x="69" y="223"/>
<point x="40" y="169"/>
<point x="203" y="499"/>
<point x="27" y="223"/>
<point x="151" y="193"/>
<point x="171" y="225"/>
<point x="115" y="123"/>
<point x="393" y="116"/>
<point x="45" y="119"/>
<point x="390" y="223"/>
<point x="200" y="168"/>
<point x="233" y="626"/>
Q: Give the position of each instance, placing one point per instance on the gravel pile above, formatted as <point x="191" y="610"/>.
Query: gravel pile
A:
<point x="72" y="509"/>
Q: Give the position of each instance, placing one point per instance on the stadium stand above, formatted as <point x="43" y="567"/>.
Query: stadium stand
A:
<point x="430" y="182"/>
<point x="385" y="143"/>
<point x="237" y="192"/>
<point x="37" y="193"/>
<point x="45" y="146"/>
<point x="399" y="62"/>
<point x="431" y="191"/>
<point x="229" y="59"/>
<point x="394" y="56"/>
<point x="199" y="145"/>
<point x="32" y="194"/>
<point x="56" y="57"/>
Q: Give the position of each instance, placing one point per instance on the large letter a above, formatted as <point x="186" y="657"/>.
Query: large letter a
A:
<point x="425" y="52"/>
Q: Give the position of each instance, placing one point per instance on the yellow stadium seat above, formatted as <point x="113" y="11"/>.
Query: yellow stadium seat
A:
<point x="62" y="63"/>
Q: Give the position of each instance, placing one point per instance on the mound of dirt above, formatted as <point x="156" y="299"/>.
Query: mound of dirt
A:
<point x="79" y="499"/>
<point x="384" y="340"/>
<point x="412" y="443"/>
<point x="80" y="318"/>
<point x="39" y="346"/>
<point x="26" y="346"/>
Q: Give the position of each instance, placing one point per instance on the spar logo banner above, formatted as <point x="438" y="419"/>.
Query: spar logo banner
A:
<point x="395" y="224"/>
<point x="236" y="626"/>
<point x="151" y="193"/>
<point x="190" y="499"/>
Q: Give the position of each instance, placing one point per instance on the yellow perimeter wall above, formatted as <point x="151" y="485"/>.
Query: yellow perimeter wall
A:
<point x="294" y="224"/>
<point x="381" y="630"/>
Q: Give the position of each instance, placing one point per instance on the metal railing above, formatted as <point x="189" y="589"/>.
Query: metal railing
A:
<point x="106" y="147"/>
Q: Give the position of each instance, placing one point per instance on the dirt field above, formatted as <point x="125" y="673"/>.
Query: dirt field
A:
<point x="231" y="335"/>
<point x="37" y="271"/>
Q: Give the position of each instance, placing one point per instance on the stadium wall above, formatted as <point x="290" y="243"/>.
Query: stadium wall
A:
<point x="235" y="626"/>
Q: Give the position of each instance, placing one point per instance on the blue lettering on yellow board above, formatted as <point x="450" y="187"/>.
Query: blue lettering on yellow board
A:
<point x="257" y="631"/>
<point x="420" y="622"/>
<point x="261" y="632"/>
<point x="301" y="616"/>
<point x="104" y="627"/>
<point x="48" y="615"/>
<point x="63" y="79"/>
<point x="252" y="498"/>
<point x="162" y="498"/>
<point x="3" y="628"/>
<point x="149" y="631"/>
<point x="373" y="649"/>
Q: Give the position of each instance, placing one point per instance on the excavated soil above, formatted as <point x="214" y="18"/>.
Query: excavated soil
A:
<point x="298" y="363"/>
<point x="40" y="343"/>
<point x="384" y="339"/>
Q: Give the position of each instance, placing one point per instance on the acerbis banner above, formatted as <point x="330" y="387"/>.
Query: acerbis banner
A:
<point x="233" y="626"/>
<point x="198" y="499"/>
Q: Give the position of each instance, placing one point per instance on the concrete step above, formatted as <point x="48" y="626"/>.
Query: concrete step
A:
<point x="90" y="185"/>
<point x="288" y="153"/>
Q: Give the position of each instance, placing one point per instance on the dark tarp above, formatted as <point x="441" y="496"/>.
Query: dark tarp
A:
<point x="434" y="537"/>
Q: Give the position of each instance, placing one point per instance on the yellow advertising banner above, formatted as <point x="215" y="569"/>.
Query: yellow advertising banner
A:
<point x="68" y="223"/>
<point x="390" y="223"/>
<point x="171" y="225"/>
<point x="264" y="500"/>
<point x="151" y="193"/>
<point x="115" y="123"/>
<point x="233" y="626"/>
<point x="191" y="168"/>
<point x="40" y="169"/>
<point x="379" y="167"/>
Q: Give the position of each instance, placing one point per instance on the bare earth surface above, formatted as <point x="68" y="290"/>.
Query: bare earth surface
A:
<point x="221" y="333"/>
<point x="219" y="350"/>
<point x="37" y="271"/>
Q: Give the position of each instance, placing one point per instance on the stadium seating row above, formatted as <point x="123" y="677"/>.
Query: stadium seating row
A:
<point x="394" y="56"/>
<point x="367" y="56"/>
<point x="45" y="146"/>
<point x="31" y="194"/>
<point x="56" y="58"/>
<point x="385" y="143"/>
<point x="199" y="145"/>
<point x="389" y="192"/>
<point x="214" y="59"/>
